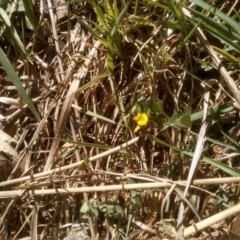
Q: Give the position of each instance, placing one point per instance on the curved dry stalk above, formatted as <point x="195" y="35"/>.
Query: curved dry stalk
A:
<point x="211" y="220"/>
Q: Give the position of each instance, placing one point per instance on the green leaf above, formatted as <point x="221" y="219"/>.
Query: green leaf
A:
<point x="135" y="192"/>
<point x="225" y="196"/>
<point x="180" y="120"/>
<point x="84" y="208"/>
<point x="157" y="106"/>
<point x="111" y="211"/>
<point x="118" y="209"/>
<point x="130" y="181"/>
<point x="143" y="106"/>
<point x="103" y="208"/>
<point x="84" y="165"/>
<point x="168" y="226"/>
<point x="93" y="210"/>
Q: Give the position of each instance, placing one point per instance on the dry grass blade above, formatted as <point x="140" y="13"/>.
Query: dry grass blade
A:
<point x="149" y="185"/>
<point x="196" y="156"/>
<point x="56" y="41"/>
<point x="81" y="74"/>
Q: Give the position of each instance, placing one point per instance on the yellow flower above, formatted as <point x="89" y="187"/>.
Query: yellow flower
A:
<point x="141" y="119"/>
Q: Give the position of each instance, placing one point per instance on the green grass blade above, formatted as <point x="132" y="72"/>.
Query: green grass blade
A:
<point x="214" y="141"/>
<point x="102" y="40"/>
<point x="154" y="3"/>
<point x="16" y="81"/>
<point x="92" y="82"/>
<point x="217" y="26"/>
<point x="222" y="38"/>
<point x="12" y="30"/>
<point x="152" y="138"/>
<point x="175" y="10"/>
<point x="181" y="195"/>
<point x="99" y="13"/>
<point x="146" y="66"/>
<point x="92" y="145"/>
<point x="218" y="111"/>
<point x="29" y="14"/>
<point x="220" y="31"/>
<point x="186" y="39"/>
<point x="231" y="171"/>
<point x="119" y="21"/>
<point x="92" y="114"/>
<point x="230" y="21"/>
<point x="232" y="140"/>
<point x="109" y="9"/>
<point x="226" y="55"/>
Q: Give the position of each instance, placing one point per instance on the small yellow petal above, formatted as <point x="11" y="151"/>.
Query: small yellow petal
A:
<point x="141" y="119"/>
<point x="137" y="128"/>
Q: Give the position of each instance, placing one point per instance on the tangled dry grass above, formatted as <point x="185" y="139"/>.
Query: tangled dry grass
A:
<point x="75" y="168"/>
